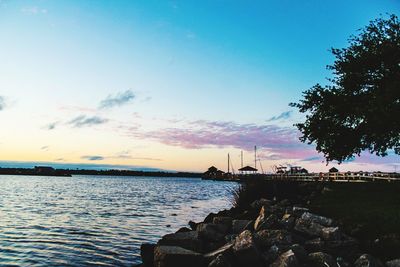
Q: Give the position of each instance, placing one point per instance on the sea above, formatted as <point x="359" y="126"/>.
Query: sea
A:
<point x="97" y="220"/>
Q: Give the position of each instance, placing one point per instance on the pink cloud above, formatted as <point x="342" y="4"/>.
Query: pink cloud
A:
<point x="281" y="142"/>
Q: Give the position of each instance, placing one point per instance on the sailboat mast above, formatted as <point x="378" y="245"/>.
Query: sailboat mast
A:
<point x="255" y="157"/>
<point x="241" y="158"/>
<point x="228" y="162"/>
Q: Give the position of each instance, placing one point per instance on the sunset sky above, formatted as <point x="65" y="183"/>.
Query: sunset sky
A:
<point x="172" y="85"/>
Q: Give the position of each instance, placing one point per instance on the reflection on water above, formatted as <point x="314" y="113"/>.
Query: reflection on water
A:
<point x="92" y="220"/>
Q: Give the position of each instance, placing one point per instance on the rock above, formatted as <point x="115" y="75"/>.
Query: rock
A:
<point x="393" y="263"/>
<point x="261" y="202"/>
<point x="300" y="252"/>
<point x="211" y="232"/>
<point x="246" y="251"/>
<point x="193" y="225"/>
<point x="239" y="226"/>
<point x="147" y="254"/>
<point x="230" y="238"/>
<point x="271" y="222"/>
<point x="287" y="221"/>
<point x="173" y="256"/>
<point x="340" y="262"/>
<point x="261" y="218"/>
<point x="267" y="238"/>
<point x="247" y="215"/>
<point x="321" y="259"/>
<point x="307" y="216"/>
<point x="331" y="233"/>
<point x="188" y="240"/>
<point x="367" y="260"/>
<point x="284" y="202"/>
<point x="220" y="261"/>
<point x="298" y="211"/>
<point x="315" y="245"/>
<point x="307" y="227"/>
<point x="210" y="217"/>
<point x="226" y="221"/>
<point x="287" y="259"/>
<point x="271" y="255"/>
<point x="347" y="247"/>
<point x="226" y="249"/>
<point x="183" y="229"/>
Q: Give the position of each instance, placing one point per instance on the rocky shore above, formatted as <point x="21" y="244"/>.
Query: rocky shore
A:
<point x="268" y="233"/>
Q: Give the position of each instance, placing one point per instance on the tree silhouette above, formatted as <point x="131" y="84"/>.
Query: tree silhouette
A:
<point x="360" y="108"/>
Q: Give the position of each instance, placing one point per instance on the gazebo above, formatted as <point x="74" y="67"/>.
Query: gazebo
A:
<point x="333" y="169"/>
<point x="247" y="170"/>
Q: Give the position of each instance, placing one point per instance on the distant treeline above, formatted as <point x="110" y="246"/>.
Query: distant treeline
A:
<point x="49" y="171"/>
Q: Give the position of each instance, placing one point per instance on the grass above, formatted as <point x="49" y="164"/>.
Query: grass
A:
<point x="368" y="211"/>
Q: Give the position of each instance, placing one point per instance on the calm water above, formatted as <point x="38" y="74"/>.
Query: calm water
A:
<point x="95" y="220"/>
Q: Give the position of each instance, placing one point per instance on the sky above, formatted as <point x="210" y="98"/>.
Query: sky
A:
<point x="171" y="85"/>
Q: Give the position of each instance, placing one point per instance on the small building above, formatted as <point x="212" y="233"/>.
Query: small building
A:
<point x="213" y="172"/>
<point x="247" y="170"/>
<point x="333" y="169"/>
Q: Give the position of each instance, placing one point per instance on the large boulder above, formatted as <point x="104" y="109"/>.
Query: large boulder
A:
<point x="287" y="259"/>
<point x="225" y="250"/>
<point x="147" y="254"/>
<point x="239" y="226"/>
<point x="210" y="217"/>
<point x="315" y="245"/>
<point x="261" y="218"/>
<point x="310" y="217"/>
<point x="211" y="232"/>
<point x="221" y="261"/>
<point x="225" y="222"/>
<point x="173" y="256"/>
<point x="321" y="259"/>
<point x="270" y="222"/>
<point x="267" y="238"/>
<point x="246" y="251"/>
<point x="188" y="240"/>
<point x="308" y="227"/>
<point x="287" y="221"/>
<point x="298" y="211"/>
<point x="367" y="260"/>
<point x="331" y="233"/>
<point x="300" y="252"/>
<point x="261" y="202"/>
<point x="393" y="263"/>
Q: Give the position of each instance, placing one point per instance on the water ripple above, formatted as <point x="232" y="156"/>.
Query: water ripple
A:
<point x="95" y="220"/>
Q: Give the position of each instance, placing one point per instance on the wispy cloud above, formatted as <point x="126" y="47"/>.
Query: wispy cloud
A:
<point x="283" y="116"/>
<point x="279" y="142"/>
<point x="83" y="120"/>
<point x="117" y="100"/>
<point x="45" y="148"/>
<point x="51" y="126"/>
<point x="92" y="158"/>
<point x="33" y="10"/>
<point x="127" y="155"/>
<point x="2" y="103"/>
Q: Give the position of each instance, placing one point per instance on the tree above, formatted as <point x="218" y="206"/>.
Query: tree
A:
<point x="360" y="109"/>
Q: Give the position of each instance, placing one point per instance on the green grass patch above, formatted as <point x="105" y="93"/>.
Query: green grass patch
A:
<point x="368" y="211"/>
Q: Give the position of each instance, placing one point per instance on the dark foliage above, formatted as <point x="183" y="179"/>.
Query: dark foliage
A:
<point x="252" y="190"/>
<point x="360" y="109"/>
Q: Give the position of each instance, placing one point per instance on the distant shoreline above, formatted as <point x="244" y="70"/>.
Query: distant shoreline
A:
<point x="49" y="171"/>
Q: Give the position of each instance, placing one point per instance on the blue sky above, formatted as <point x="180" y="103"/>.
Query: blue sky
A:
<point x="197" y="73"/>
